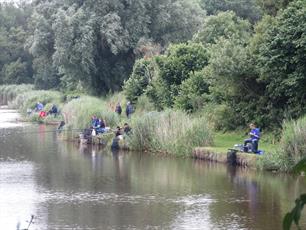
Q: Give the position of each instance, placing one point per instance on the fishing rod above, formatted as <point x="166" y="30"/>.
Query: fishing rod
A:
<point x="53" y="131"/>
<point x="37" y="132"/>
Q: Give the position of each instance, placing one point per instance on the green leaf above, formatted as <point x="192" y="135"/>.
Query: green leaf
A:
<point x="287" y="222"/>
<point x="300" y="166"/>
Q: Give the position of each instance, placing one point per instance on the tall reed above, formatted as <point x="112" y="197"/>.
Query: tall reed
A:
<point x="9" y="92"/>
<point x="291" y="149"/>
<point x="293" y="140"/>
<point x="78" y="112"/>
<point x="172" y="132"/>
<point x="29" y="99"/>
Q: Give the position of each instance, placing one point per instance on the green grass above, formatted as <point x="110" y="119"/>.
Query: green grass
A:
<point x="224" y="141"/>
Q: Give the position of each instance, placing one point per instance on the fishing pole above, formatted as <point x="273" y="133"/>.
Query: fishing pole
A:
<point x="54" y="131"/>
<point x="37" y="132"/>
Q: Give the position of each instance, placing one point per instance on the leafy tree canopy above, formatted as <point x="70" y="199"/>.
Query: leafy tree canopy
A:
<point x="246" y="9"/>
<point x="223" y="25"/>
<point x="93" y="43"/>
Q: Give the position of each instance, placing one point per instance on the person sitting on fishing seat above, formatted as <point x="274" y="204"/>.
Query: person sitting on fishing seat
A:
<point x="118" y="133"/>
<point x="94" y="122"/>
<point x="126" y="128"/>
<point x="38" y="107"/>
<point x="42" y="114"/>
<point x="118" y="137"/>
<point x="253" y="140"/>
<point x="101" y="126"/>
<point x="53" y="110"/>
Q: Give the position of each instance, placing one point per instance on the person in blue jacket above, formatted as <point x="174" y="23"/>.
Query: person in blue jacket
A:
<point x="254" y="138"/>
<point x="94" y="122"/>
<point x="39" y="107"/>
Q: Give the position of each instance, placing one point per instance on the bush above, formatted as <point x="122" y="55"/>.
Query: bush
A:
<point x="192" y="93"/>
<point x="221" y="116"/>
<point x="78" y="112"/>
<point x="176" y="66"/>
<point x="171" y="132"/>
<point x="139" y="80"/>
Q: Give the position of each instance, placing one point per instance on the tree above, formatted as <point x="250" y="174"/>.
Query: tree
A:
<point x="15" y="61"/>
<point x="233" y="78"/>
<point x="16" y="73"/>
<point x="40" y="44"/>
<point x="93" y="43"/>
<point x="193" y="92"/>
<point x="177" y="65"/>
<point x="224" y="25"/>
<point x="271" y="7"/>
<point x="246" y="9"/>
<point x="137" y="83"/>
<point x="281" y="61"/>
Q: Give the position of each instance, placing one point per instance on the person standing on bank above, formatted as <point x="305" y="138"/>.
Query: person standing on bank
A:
<point x="118" y="109"/>
<point x="129" y="109"/>
<point x="254" y="138"/>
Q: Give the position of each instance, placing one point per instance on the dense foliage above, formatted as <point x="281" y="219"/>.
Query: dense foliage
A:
<point x="242" y="60"/>
<point x="246" y="9"/>
<point x="251" y="73"/>
<point x="92" y="45"/>
<point x="15" y="61"/>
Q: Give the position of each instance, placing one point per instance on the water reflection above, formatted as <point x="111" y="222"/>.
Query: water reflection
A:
<point x="18" y="193"/>
<point x="9" y="118"/>
<point x="68" y="186"/>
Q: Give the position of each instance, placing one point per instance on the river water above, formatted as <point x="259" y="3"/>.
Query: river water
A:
<point x="66" y="186"/>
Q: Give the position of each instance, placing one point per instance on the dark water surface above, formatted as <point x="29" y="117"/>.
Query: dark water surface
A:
<point x="70" y="187"/>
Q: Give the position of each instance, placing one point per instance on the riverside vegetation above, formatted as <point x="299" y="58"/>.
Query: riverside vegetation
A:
<point x="213" y="64"/>
<point x="171" y="131"/>
<point x="220" y="63"/>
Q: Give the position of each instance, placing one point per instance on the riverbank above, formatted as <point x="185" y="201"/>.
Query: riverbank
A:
<point x="169" y="132"/>
<point x="69" y="184"/>
<point x="224" y="141"/>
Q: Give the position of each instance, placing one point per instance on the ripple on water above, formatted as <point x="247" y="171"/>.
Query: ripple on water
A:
<point x="17" y="192"/>
<point x="113" y="198"/>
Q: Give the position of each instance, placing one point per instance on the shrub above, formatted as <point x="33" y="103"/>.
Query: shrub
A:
<point x="172" y="132"/>
<point x="139" y="80"/>
<point x="192" y="93"/>
<point x="176" y="66"/>
<point x="221" y="116"/>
